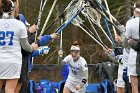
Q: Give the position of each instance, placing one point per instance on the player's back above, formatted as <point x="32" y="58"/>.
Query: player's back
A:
<point x="10" y="34"/>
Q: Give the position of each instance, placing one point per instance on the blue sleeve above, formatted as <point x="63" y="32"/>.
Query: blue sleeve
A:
<point x="22" y="18"/>
<point x="35" y="53"/>
<point x="30" y="63"/>
<point x="45" y="39"/>
<point x="65" y="71"/>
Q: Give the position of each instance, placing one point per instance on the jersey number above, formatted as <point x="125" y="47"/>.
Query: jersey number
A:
<point x="74" y="72"/>
<point x="3" y="36"/>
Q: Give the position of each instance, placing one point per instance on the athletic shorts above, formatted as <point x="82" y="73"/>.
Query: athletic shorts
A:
<point x="132" y="70"/>
<point x="132" y="63"/>
<point x="120" y="81"/>
<point x="72" y="86"/>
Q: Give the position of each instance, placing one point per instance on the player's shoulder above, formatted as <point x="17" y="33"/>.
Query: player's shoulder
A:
<point x="83" y="59"/>
<point x="132" y="20"/>
<point x="18" y="22"/>
<point x="69" y="56"/>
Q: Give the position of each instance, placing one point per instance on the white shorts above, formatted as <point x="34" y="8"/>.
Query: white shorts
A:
<point x="132" y="70"/>
<point x="132" y="63"/>
<point x="10" y="70"/>
<point x="120" y="81"/>
<point x="72" y="86"/>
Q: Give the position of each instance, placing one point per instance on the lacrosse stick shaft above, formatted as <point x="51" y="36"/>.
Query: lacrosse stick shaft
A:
<point x="110" y="35"/>
<point x="93" y="34"/>
<point x="107" y="18"/>
<point x="107" y="12"/>
<point x="48" y="17"/>
<point x="110" y="17"/>
<point x="39" y="17"/>
<point x="97" y="41"/>
<point x="60" y="48"/>
<point x="64" y="25"/>
<point x="48" y="27"/>
<point x="94" y="29"/>
<point x="103" y="14"/>
<point x="82" y="26"/>
<point x="101" y="29"/>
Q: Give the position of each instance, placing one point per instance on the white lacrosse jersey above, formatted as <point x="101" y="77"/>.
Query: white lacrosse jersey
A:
<point x="132" y="31"/>
<point x="76" y="68"/>
<point x="11" y="31"/>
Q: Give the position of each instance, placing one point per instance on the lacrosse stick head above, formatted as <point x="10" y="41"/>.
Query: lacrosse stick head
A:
<point x="72" y="11"/>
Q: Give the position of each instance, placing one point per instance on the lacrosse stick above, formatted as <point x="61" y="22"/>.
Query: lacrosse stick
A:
<point x="67" y="7"/>
<point x="39" y="16"/>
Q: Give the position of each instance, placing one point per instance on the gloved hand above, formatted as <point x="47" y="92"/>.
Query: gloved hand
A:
<point x="60" y="52"/>
<point x="43" y="50"/>
<point x="119" y="59"/>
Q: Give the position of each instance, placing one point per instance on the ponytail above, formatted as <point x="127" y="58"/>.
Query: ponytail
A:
<point x="7" y="6"/>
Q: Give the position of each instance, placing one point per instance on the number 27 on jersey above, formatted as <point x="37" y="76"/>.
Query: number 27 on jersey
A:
<point x="4" y="35"/>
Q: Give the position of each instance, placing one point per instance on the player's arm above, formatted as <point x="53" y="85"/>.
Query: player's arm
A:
<point x="135" y="44"/>
<point x="85" y="79"/>
<point x="85" y="73"/>
<point x="26" y="46"/>
<point x="44" y="39"/>
<point x="40" y="51"/>
<point x="65" y="60"/>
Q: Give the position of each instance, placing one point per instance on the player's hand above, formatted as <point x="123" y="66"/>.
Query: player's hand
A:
<point x="129" y="41"/>
<point x="33" y="28"/>
<point x="117" y="38"/>
<point x="78" y="87"/>
<point x="35" y="46"/>
<point x="39" y="37"/>
<point x="108" y="51"/>
<point x="60" y="53"/>
<point x="54" y="35"/>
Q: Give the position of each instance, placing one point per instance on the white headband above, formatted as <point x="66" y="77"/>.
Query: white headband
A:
<point x="12" y="5"/>
<point x="75" y="48"/>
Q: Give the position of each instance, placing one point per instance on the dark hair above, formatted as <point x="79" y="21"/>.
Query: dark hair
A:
<point x="6" y="6"/>
<point x="14" y="0"/>
<point x="137" y="4"/>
